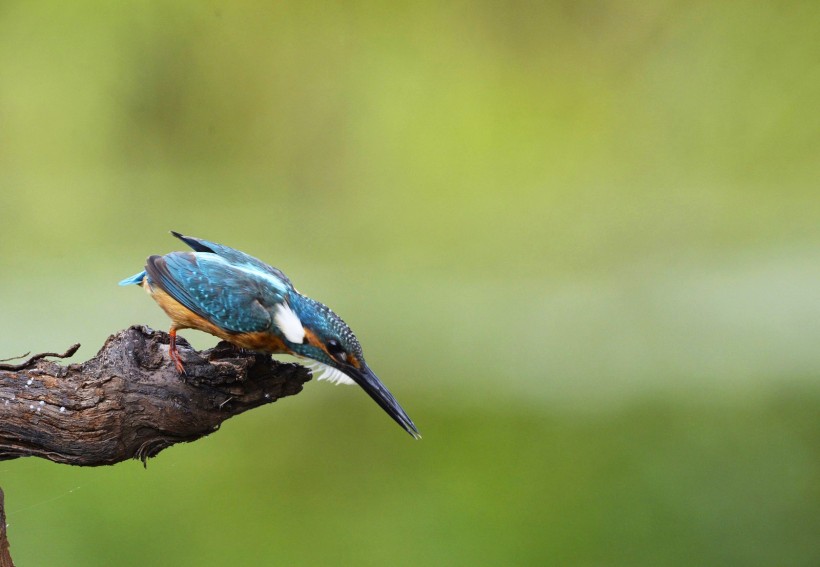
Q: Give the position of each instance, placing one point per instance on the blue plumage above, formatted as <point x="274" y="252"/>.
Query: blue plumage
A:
<point x="241" y="299"/>
<point x="136" y="279"/>
<point x="235" y="257"/>
<point x="235" y="299"/>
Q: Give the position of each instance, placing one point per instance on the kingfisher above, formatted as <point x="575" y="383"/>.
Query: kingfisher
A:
<point x="254" y="306"/>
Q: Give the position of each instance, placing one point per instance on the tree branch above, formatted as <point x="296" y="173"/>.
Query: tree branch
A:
<point x="31" y="360"/>
<point x="128" y="401"/>
<point x="5" y="556"/>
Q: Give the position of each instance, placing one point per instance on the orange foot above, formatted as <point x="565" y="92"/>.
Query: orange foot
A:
<point x="174" y="353"/>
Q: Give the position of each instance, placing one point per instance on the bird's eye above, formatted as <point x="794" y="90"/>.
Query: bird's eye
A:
<point x="336" y="350"/>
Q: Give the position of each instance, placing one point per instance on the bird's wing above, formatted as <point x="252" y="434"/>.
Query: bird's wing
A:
<point x="231" y="255"/>
<point x="235" y="298"/>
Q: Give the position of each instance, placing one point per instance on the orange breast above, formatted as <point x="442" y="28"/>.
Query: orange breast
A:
<point x="262" y="341"/>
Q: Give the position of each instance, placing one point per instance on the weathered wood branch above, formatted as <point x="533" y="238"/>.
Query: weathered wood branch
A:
<point x="32" y="359"/>
<point x="5" y="556"/>
<point x="128" y="401"/>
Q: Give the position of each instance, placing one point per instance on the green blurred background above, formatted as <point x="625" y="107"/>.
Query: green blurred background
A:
<point x="580" y="242"/>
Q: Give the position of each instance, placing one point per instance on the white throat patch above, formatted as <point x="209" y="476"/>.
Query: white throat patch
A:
<point x="289" y="323"/>
<point x="324" y="372"/>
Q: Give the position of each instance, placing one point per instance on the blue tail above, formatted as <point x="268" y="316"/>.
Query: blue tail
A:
<point x="135" y="279"/>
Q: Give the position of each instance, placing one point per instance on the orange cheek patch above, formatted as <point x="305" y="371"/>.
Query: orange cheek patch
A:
<point x="312" y="339"/>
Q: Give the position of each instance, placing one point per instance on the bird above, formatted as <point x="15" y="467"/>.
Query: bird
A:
<point x="243" y="300"/>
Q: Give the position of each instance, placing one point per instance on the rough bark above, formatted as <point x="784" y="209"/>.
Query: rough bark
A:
<point x="5" y="556"/>
<point x="128" y="402"/>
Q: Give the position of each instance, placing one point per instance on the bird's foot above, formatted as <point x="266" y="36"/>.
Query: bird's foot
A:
<point x="174" y="353"/>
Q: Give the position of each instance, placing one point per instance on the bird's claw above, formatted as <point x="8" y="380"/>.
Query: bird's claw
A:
<point x="174" y="353"/>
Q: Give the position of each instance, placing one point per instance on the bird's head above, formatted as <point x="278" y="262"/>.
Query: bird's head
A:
<point x="311" y="330"/>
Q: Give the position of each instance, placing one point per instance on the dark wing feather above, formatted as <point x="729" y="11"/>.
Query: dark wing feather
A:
<point x="235" y="299"/>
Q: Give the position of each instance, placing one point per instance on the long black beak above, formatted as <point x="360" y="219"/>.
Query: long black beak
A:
<point x="371" y="384"/>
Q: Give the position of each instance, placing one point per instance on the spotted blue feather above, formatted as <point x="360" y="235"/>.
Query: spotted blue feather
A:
<point x="235" y="298"/>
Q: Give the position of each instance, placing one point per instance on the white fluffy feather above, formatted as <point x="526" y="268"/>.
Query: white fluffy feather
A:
<point x="325" y="372"/>
<point x="289" y="323"/>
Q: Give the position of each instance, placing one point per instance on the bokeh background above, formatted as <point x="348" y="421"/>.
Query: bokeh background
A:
<point x="580" y="241"/>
